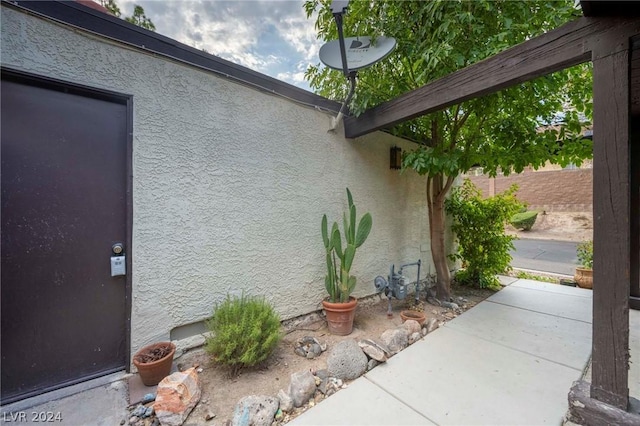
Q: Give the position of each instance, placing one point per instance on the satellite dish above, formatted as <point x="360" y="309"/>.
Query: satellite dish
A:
<point x="361" y="52"/>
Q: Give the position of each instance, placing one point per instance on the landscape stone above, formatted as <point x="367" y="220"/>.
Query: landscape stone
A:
<point x="286" y="403"/>
<point x="374" y="350"/>
<point x="412" y="326"/>
<point x="309" y="347"/>
<point x="346" y="360"/>
<point x="255" y="410"/>
<point x="432" y="325"/>
<point x="301" y="387"/>
<point x="414" y="337"/>
<point x="323" y="374"/>
<point x="395" y="339"/>
<point x="177" y="394"/>
<point x="372" y="364"/>
<point x="450" y="305"/>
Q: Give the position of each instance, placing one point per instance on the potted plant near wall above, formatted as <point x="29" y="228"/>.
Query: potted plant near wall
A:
<point x="154" y="362"/>
<point x="340" y="306"/>
<point x="584" y="272"/>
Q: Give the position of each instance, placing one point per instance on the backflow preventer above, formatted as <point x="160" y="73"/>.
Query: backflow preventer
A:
<point x="396" y="284"/>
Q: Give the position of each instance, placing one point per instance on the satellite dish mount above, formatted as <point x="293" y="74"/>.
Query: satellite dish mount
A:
<point x="361" y="54"/>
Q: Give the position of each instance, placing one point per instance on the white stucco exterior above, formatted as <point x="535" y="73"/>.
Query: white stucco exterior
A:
<point x="229" y="183"/>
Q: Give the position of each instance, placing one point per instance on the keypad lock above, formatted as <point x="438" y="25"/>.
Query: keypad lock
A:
<point x="118" y="261"/>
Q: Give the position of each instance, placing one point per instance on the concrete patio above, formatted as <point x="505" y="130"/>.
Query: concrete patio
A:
<point x="510" y="360"/>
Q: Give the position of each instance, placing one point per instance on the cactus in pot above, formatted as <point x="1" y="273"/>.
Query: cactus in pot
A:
<point x="339" y="282"/>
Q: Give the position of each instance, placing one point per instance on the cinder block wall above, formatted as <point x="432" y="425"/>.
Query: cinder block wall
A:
<point x="558" y="190"/>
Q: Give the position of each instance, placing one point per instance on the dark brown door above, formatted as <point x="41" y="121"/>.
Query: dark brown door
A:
<point x="64" y="204"/>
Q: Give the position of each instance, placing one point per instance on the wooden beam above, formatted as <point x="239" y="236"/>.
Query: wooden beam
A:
<point x="611" y="228"/>
<point x="561" y="48"/>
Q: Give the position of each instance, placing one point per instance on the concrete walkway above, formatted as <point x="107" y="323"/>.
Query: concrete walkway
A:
<point x="510" y="360"/>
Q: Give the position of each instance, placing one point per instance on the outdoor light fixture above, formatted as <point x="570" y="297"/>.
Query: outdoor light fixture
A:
<point x="395" y="159"/>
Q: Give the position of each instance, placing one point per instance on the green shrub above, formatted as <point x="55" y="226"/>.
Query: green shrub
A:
<point x="479" y="226"/>
<point x="524" y="220"/>
<point x="585" y="254"/>
<point x="245" y="331"/>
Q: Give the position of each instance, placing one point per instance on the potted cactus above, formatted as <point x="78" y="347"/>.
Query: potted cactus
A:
<point x="340" y="306"/>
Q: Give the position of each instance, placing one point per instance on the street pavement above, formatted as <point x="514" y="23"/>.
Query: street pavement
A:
<point x="558" y="257"/>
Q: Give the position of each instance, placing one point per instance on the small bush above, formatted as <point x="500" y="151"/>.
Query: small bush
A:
<point x="524" y="220"/>
<point x="479" y="226"/>
<point x="245" y="331"/>
<point x="585" y="254"/>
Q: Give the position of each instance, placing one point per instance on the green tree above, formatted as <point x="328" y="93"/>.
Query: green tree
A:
<point x="112" y="6"/>
<point x="500" y="132"/>
<point x="138" y="18"/>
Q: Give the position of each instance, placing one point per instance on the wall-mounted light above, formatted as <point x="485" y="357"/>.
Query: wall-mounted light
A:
<point x="395" y="159"/>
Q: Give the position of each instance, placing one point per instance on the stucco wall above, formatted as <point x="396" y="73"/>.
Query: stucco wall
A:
<point x="229" y="183"/>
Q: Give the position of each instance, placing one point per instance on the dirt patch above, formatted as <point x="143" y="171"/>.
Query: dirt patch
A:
<point x="561" y="226"/>
<point x="220" y="392"/>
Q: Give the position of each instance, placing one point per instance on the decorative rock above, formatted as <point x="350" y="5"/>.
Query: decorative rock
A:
<point x="209" y="416"/>
<point x="395" y="339"/>
<point x="323" y="374"/>
<point x="374" y="350"/>
<point x="450" y="305"/>
<point x="139" y="411"/>
<point x="432" y="325"/>
<point x="255" y="411"/>
<point x="330" y="386"/>
<point x="148" y="398"/>
<point x="371" y="364"/>
<point x="177" y="394"/>
<point x="133" y="420"/>
<point x="279" y="414"/>
<point x="309" y="347"/>
<point x="346" y="360"/>
<point x="148" y="412"/>
<point x="414" y="337"/>
<point x="302" y="387"/>
<point x="424" y="331"/>
<point x="286" y="403"/>
<point x="412" y="326"/>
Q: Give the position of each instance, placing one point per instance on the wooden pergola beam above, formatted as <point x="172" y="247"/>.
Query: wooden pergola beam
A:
<point x="568" y="45"/>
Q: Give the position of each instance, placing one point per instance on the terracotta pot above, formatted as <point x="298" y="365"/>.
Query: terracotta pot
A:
<point x="584" y="277"/>
<point x="152" y="373"/>
<point x="340" y="316"/>
<point x="413" y="315"/>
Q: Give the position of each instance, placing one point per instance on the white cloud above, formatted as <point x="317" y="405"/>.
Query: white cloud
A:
<point x="272" y="37"/>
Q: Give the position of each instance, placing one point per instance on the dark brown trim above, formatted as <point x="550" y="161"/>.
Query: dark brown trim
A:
<point x="129" y="249"/>
<point x="11" y="74"/>
<point x="561" y="48"/>
<point x="86" y="18"/>
<point x="611" y="239"/>
<point x="18" y="76"/>
<point x="634" y="303"/>
<point x="634" y="231"/>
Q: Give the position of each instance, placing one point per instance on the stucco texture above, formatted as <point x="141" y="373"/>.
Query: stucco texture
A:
<point x="229" y="183"/>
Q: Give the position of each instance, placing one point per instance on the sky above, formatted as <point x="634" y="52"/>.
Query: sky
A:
<point x="271" y="37"/>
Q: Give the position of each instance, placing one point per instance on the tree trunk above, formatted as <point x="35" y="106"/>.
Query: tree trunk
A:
<point x="438" y="251"/>
<point x="437" y="189"/>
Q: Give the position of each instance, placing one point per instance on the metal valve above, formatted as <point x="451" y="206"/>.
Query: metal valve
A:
<point x="396" y="285"/>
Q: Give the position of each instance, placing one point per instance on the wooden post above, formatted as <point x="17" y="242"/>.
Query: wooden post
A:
<point x="611" y="210"/>
<point x="635" y="211"/>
